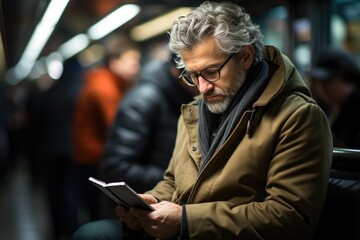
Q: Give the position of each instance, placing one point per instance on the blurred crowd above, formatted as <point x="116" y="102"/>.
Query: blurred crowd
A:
<point x="115" y="119"/>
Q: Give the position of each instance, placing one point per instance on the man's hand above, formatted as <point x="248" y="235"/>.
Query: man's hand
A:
<point x="148" y="198"/>
<point x="163" y="223"/>
<point x="128" y="217"/>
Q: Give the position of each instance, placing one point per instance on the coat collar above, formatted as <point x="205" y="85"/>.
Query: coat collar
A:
<point x="284" y="78"/>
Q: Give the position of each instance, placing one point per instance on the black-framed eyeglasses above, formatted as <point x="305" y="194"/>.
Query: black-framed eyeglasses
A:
<point x="210" y="74"/>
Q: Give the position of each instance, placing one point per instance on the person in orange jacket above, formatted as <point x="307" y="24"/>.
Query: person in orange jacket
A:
<point x="103" y="89"/>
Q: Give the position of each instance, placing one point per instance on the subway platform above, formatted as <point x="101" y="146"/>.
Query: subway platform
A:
<point x="24" y="214"/>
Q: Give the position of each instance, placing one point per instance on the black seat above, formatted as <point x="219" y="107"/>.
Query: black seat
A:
<point x="340" y="218"/>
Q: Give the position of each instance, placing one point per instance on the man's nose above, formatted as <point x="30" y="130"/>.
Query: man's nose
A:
<point x="204" y="86"/>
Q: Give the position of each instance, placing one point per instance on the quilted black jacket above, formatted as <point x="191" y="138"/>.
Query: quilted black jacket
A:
<point x="142" y="138"/>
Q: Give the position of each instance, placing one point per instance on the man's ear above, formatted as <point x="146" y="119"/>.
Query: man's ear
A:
<point x="247" y="56"/>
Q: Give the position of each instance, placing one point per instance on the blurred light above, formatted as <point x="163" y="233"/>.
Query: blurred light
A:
<point x="38" y="70"/>
<point x="68" y="49"/>
<point x="302" y="56"/>
<point x="23" y="68"/>
<point x="10" y="77"/>
<point x="54" y="11"/>
<point x="338" y="29"/>
<point x="74" y="46"/>
<point x="54" y="65"/>
<point x="39" y="38"/>
<point x="55" y="69"/>
<point x="36" y="44"/>
<point x="113" y="21"/>
<point x="158" y="25"/>
<point x="91" y="55"/>
<point x="98" y="30"/>
<point x="302" y="28"/>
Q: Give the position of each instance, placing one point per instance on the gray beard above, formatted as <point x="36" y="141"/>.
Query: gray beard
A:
<point x="221" y="107"/>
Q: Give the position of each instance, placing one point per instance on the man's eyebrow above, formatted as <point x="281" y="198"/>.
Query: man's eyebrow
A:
<point x="214" y="65"/>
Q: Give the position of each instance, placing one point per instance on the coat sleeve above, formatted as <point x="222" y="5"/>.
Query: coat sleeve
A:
<point x="166" y="189"/>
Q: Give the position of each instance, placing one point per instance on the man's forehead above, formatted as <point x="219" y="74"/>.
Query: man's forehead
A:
<point x="202" y="55"/>
<point x="207" y="45"/>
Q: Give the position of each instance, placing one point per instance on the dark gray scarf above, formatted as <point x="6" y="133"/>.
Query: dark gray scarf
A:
<point x="256" y="81"/>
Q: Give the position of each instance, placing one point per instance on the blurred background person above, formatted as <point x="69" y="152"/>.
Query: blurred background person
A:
<point x="4" y="141"/>
<point x="143" y="135"/>
<point x="54" y="149"/>
<point x="334" y="82"/>
<point x="33" y="131"/>
<point x="103" y="88"/>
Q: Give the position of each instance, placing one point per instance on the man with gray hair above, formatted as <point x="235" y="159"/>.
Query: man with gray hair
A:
<point x="253" y="151"/>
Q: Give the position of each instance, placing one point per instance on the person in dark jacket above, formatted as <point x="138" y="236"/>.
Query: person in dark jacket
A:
<point x="52" y="129"/>
<point x="143" y="134"/>
<point x="334" y="81"/>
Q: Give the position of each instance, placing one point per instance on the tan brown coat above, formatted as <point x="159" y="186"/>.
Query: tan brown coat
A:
<point x="269" y="183"/>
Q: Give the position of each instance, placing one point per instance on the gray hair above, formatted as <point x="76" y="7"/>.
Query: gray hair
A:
<point x="228" y="23"/>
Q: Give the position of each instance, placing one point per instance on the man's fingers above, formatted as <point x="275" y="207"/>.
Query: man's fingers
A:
<point x="119" y="210"/>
